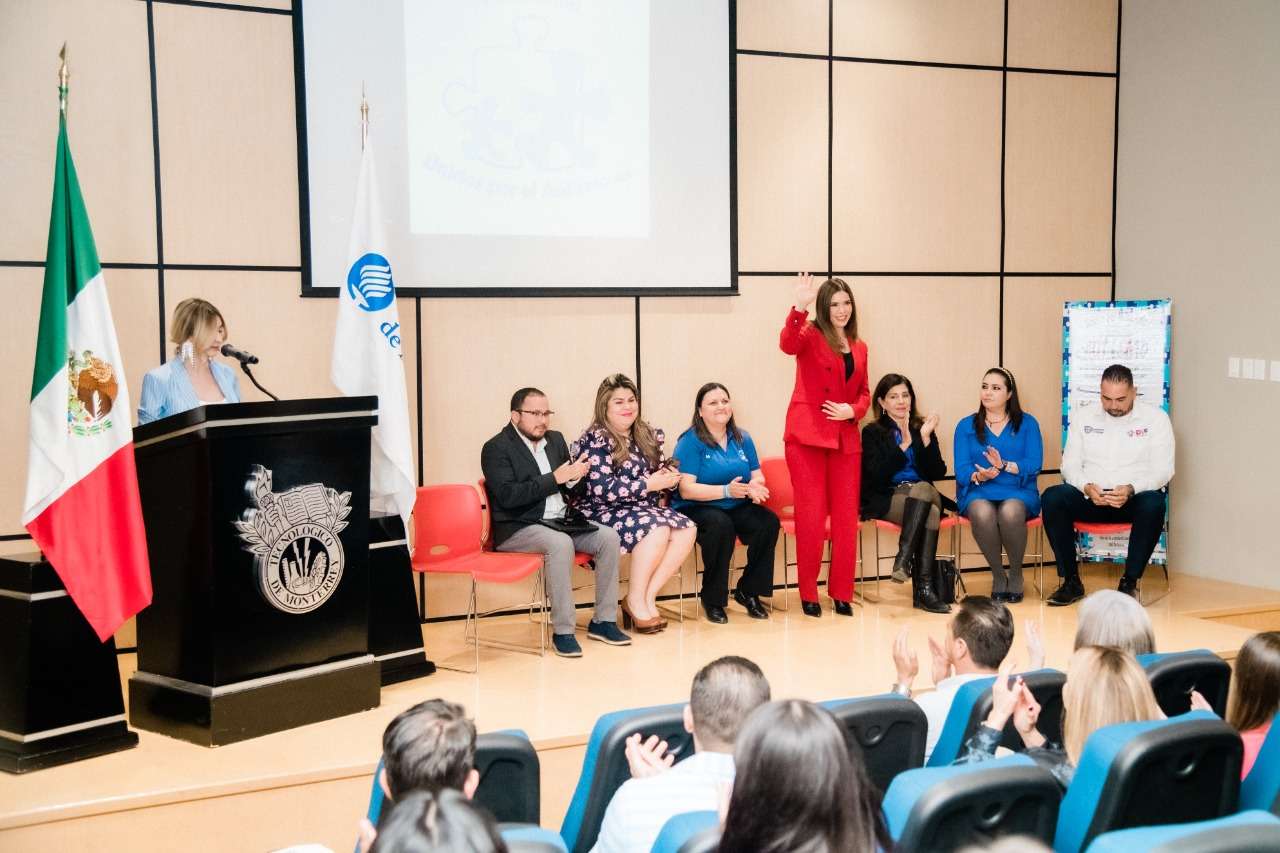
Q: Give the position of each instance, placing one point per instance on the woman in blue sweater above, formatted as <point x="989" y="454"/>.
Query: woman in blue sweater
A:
<point x="999" y="454"/>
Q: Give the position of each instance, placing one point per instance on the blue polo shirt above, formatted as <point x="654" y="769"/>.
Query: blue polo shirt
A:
<point x="713" y="465"/>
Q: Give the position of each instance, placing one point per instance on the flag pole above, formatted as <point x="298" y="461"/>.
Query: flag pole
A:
<point x="64" y="78"/>
<point x="364" y="117"/>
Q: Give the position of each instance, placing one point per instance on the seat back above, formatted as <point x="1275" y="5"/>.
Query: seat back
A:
<point x="890" y="731"/>
<point x="527" y="838"/>
<point x="605" y="768"/>
<point x="683" y="828"/>
<point x="1174" y="676"/>
<point x="1261" y="788"/>
<point x="1246" y="832"/>
<point x="1147" y="773"/>
<point x="782" y="496"/>
<point x="947" y="808"/>
<point x="972" y="704"/>
<point x="447" y="523"/>
<point x="510" y="777"/>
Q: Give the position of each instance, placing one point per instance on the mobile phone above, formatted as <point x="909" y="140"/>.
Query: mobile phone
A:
<point x="1104" y="491"/>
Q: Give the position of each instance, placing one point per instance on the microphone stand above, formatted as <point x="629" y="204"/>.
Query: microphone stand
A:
<point x="256" y="384"/>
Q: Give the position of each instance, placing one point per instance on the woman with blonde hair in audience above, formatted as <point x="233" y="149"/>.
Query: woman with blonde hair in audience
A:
<point x="796" y="787"/>
<point x="1104" y="686"/>
<point x="1111" y="618"/>
<point x="1255" y="694"/>
<point x="627" y="488"/>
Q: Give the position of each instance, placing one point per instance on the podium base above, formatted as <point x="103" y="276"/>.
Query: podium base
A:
<point x="23" y="757"/>
<point x="216" y="716"/>
<point x="405" y="666"/>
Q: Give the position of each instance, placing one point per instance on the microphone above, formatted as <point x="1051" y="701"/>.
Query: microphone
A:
<point x="238" y="354"/>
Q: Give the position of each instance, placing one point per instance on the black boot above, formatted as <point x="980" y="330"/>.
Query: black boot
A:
<point x="915" y="517"/>
<point x="923" y="594"/>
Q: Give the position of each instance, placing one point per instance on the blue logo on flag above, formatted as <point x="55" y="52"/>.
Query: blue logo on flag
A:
<point x="369" y="282"/>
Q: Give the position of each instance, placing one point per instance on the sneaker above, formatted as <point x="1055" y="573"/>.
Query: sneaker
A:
<point x="1070" y="592"/>
<point x="607" y="632"/>
<point x="1129" y="586"/>
<point x="566" y="645"/>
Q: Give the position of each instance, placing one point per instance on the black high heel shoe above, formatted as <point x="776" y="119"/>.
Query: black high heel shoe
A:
<point x="843" y="608"/>
<point x="811" y="608"/>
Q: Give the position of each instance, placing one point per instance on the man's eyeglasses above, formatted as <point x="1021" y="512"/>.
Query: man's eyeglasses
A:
<point x="533" y="414"/>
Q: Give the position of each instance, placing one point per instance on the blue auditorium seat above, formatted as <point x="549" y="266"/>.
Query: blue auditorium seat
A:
<point x="946" y="808"/>
<point x="1261" y="788"/>
<point x="524" y="838"/>
<point x="680" y="829"/>
<point x="1173" y="676"/>
<point x="605" y="768"/>
<point x="1246" y="832"/>
<point x="890" y="729"/>
<point x="1148" y="773"/>
<point x="972" y="704"/>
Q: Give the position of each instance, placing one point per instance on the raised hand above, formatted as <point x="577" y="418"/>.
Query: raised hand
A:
<point x="904" y="659"/>
<point x="993" y="457"/>
<point x="574" y="469"/>
<point x="648" y="757"/>
<point x="941" y="661"/>
<point x="662" y="479"/>
<point x="1025" y="716"/>
<point x="1004" y="696"/>
<point x="1199" y="703"/>
<point x="928" y="426"/>
<point x="806" y="291"/>
<point x="739" y="489"/>
<point x="757" y="491"/>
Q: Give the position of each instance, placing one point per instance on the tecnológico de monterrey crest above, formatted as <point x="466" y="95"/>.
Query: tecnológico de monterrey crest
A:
<point x="293" y="537"/>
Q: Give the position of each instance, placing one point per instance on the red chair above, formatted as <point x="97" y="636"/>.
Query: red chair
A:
<point x="948" y="522"/>
<point x="1101" y="528"/>
<point x="448" y="523"/>
<point x="1034" y="524"/>
<point x="580" y="558"/>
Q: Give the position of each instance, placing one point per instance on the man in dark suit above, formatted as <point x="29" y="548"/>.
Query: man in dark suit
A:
<point x="529" y="476"/>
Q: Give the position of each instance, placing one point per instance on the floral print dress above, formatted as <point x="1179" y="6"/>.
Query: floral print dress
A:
<point x="616" y="495"/>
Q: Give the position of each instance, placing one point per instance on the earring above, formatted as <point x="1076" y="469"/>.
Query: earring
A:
<point x="187" y="352"/>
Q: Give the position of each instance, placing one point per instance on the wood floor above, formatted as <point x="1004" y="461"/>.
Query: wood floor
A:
<point x="311" y="783"/>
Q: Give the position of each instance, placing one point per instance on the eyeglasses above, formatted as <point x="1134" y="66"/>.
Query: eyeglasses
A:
<point x="532" y="414"/>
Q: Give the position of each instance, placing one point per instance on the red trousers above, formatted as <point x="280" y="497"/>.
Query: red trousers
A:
<point x="827" y="483"/>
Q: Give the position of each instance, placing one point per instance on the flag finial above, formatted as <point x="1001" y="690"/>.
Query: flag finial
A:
<point x="364" y="117"/>
<point x="64" y="78"/>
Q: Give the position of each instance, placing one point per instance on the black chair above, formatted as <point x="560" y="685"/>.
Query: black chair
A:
<point x="1174" y="676"/>
<point x="1151" y="773"/>
<point x="972" y="704"/>
<point x="605" y="767"/>
<point x="890" y="730"/>
<point x="510" y="777"/>
<point x="947" y="808"/>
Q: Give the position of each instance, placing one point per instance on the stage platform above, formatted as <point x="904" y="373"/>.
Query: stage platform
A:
<point x="312" y="783"/>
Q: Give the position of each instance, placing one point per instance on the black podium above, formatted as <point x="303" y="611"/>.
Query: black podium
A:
<point x="257" y="520"/>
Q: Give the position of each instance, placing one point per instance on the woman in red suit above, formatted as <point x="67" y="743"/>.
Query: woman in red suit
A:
<point x="823" y="445"/>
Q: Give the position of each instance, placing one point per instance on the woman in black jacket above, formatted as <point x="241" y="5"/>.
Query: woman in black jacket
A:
<point x="900" y="461"/>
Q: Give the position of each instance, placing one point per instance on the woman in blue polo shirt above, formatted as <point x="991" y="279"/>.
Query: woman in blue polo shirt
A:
<point x="999" y="454"/>
<point x="722" y="489"/>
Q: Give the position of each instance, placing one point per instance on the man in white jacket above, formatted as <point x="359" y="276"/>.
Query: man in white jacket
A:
<point x="1118" y="459"/>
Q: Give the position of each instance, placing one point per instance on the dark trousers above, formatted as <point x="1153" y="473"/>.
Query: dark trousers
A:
<point x="1064" y="505"/>
<point x="718" y="529"/>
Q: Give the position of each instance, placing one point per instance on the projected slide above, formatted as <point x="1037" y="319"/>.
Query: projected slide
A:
<point x="535" y="123"/>
<point x="539" y="146"/>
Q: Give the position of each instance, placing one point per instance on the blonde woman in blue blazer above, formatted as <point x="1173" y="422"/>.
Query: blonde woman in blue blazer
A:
<point x="192" y="378"/>
<point x="999" y="454"/>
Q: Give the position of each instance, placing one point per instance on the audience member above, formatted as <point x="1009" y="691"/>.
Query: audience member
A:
<point x="900" y="461"/>
<point x="1104" y="686"/>
<point x="799" y="786"/>
<point x="629" y="475"/>
<point x="723" y="695"/>
<point x="1116" y="463"/>
<point x="438" y="822"/>
<point x="978" y="638"/>
<point x="1112" y="618"/>
<point x="529" y="477"/>
<point x="1255" y="694"/>
<point x="821" y="440"/>
<point x="722" y="489"/>
<point x="998" y="458"/>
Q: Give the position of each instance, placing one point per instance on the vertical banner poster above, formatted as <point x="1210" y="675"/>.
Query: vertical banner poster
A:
<point x="1137" y="334"/>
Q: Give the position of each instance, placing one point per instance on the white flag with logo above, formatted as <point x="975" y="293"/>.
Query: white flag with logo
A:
<point x="367" y="357"/>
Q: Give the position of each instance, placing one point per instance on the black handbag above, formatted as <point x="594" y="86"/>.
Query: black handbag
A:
<point x="572" y="522"/>
<point x="947" y="581"/>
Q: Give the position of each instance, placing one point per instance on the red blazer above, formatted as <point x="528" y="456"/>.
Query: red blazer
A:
<point x="820" y="377"/>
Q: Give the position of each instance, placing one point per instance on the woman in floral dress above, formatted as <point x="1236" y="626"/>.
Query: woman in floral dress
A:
<point x="629" y="477"/>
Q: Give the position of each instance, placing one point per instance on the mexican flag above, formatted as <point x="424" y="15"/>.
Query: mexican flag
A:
<point x="82" y="505"/>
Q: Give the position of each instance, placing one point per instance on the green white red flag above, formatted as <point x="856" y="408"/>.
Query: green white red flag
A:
<point x="82" y="505"/>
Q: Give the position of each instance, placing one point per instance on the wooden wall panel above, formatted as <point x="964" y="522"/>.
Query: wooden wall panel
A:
<point x="1074" y="34"/>
<point x="793" y="26"/>
<point x="962" y="31"/>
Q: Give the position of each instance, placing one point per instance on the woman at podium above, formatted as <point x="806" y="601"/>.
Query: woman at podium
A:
<point x="193" y="378"/>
